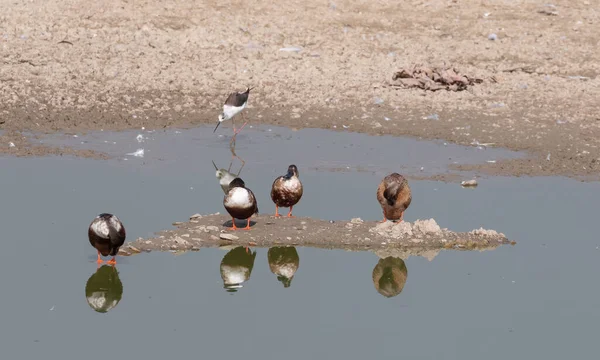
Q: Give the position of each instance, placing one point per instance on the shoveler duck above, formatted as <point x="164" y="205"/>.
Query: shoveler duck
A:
<point x="236" y="268"/>
<point x="240" y="203"/>
<point x="395" y="196"/>
<point x="225" y="177"/>
<point x="104" y="289"/>
<point x="107" y="234"/>
<point x="389" y="276"/>
<point x="283" y="262"/>
<point x="287" y="190"/>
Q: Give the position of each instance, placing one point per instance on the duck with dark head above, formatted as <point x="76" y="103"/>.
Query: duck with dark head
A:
<point x="240" y="203"/>
<point x="394" y="196"/>
<point x="287" y="190"/>
<point x="106" y="234"/>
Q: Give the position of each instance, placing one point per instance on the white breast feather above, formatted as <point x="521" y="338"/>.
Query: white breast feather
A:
<point x="292" y="184"/>
<point x="231" y="111"/>
<point x="100" y="228"/>
<point x="239" y="197"/>
<point x="114" y="221"/>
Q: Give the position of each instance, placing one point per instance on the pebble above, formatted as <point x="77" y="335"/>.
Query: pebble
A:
<point x="195" y="216"/>
<point x="469" y="183"/>
<point x="176" y="223"/>
<point x="212" y="228"/>
<point x="228" y="237"/>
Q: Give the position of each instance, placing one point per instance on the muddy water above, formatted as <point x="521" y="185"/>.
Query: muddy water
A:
<point x="539" y="299"/>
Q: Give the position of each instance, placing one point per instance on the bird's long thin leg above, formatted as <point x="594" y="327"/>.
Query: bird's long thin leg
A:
<point x="245" y="122"/>
<point x="277" y="211"/>
<point x="99" y="261"/>
<point x="384" y="219"/>
<point x="290" y="212"/>
<point x="112" y="261"/>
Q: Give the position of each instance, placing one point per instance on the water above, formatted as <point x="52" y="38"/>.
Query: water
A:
<point x="538" y="299"/>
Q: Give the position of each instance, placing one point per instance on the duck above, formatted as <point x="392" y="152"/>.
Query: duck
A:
<point x="389" y="276"/>
<point x="225" y="177"/>
<point x="394" y="196"/>
<point x="287" y="190"/>
<point x="104" y="289"/>
<point x="236" y="268"/>
<point x="240" y="203"/>
<point x="107" y="234"/>
<point x="283" y="262"/>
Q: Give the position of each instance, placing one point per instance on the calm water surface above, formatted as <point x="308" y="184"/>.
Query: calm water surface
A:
<point x="538" y="299"/>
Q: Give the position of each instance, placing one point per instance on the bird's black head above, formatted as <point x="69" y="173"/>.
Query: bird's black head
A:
<point x="292" y="171"/>
<point x="237" y="182"/>
<point x="105" y="216"/>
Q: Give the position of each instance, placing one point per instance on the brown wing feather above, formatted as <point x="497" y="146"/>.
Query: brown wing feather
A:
<point x="237" y="99"/>
<point x="285" y="197"/>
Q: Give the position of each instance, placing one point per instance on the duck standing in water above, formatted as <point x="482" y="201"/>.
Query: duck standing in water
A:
<point x="240" y="203"/>
<point x="107" y="234"/>
<point x="395" y="196"/>
<point x="287" y="190"/>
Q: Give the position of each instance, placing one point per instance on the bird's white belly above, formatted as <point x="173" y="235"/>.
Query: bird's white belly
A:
<point x="231" y="111"/>
<point x="239" y="197"/>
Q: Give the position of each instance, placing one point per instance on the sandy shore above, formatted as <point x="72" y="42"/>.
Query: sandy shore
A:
<point x="78" y="65"/>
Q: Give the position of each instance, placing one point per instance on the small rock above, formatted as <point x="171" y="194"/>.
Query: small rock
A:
<point x="228" y="237"/>
<point x="426" y="227"/>
<point x="195" y="216"/>
<point x="212" y="228"/>
<point x="356" y="221"/>
<point x="176" y="223"/>
<point x="195" y="248"/>
<point x="468" y="183"/>
<point x="134" y="249"/>
<point x="492" y="37"/>
<point x="214" y="238"/>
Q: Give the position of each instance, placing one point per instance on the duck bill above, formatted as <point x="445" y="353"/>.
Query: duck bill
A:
<point x="215" y="165"/>
<point x="219" y="123"/>
<point x="289" y="174"/>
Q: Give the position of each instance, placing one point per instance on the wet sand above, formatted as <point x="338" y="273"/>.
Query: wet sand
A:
<point x="80" y="66"/>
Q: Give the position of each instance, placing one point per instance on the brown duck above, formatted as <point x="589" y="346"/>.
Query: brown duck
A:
<point x="394" y="196"/>
<point x="287" y="190"/>
<point x="240" y="202"/>
<point x="107" y="234"/>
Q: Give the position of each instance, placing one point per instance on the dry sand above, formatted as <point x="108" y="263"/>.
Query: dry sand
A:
<point x="82" y="65"/>
<point x="420" y="238"/>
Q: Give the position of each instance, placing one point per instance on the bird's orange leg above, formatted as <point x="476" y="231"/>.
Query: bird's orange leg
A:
<point x="247" y="249"/>
<point x="277" y="211"/>
<point x="112" y="261"/>
<point x="248" y="225"/>
<point x="99" y="261"/>
<point x="384" y="219"/>
<point x="233" y="227"/>
<point x="290" y="212"/>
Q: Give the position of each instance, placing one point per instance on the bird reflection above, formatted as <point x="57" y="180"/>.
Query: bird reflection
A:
<point x="236" y="268"/>
<point x="283" y="262"/>
<point x="104" y="289"/>
<point x="389" y="276"/>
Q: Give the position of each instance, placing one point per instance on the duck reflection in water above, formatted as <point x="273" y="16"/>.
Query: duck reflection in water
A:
<point x="104" y="289"/>
<point x="283" y="262"/>
<point x="236" y="267"/>
<point x="389" y="276"/>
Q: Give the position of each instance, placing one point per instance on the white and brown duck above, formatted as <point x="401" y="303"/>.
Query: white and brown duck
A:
<point x="240" y="203"/>
<point x="394" y="196"/>
<point x="287" y="190"/>
<point x="107" y="234"/>
<point x="236" y="268"/>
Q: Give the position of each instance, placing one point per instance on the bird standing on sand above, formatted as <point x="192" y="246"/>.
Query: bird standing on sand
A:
<point x="287" y="190"/>
<point x="395" y="196"/>
<point x="235" y="103"/>
<point x="240" y="203"/>
<point x="107" y="234"/>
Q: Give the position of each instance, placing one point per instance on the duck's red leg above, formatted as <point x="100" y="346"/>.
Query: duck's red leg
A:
<point x="248" y="225"/>
<point x="384" y="219"/>
<point x="247" y="249"/>
<point x="112" y="261"/>
<point x="233" y="227"/>
<point x="290" y="212"/>
<point x="277" y="211"/>
<point x="99" y="261"/>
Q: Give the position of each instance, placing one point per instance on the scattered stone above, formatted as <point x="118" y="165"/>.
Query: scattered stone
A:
<point x="230" y="237"/>
<point x="177" y="223"/>
<point x="212" y="228"/>
<point x="433" y="79"/>
<point x="195" y="216"/>
<point x="133" y="249"/>
<point x="469" y="183"/>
